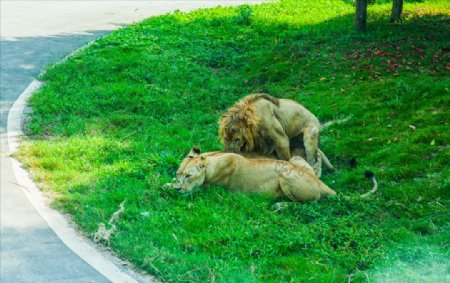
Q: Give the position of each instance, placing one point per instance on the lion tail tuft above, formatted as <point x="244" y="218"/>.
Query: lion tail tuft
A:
<point x="371" y="176"/>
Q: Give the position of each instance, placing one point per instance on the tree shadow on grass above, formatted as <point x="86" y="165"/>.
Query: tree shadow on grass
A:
<point x="211" y="228"/>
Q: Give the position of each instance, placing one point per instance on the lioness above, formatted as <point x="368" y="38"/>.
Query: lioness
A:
<point x="262" y="123"/>
<point x="294" y="179"/>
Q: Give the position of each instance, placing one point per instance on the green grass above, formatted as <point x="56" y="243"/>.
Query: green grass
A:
<point x="114" y="120"/>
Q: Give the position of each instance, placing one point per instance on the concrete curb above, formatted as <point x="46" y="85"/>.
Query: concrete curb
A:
<point x="55" y="220"/>
<point x="105" y="263"/>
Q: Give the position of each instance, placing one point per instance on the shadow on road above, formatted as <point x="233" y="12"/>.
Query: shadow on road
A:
<point x="23" y="59"/>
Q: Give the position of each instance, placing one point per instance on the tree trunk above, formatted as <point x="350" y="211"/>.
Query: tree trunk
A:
<point x="361" y="15"/>
<point x="397" y="7"/>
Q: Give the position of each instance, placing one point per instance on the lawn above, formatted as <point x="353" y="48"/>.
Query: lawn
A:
<point x="114" y="120"/>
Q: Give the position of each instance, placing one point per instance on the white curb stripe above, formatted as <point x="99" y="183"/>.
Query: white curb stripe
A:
<point x="14" y="130"/>
<point x="54" y="219"/>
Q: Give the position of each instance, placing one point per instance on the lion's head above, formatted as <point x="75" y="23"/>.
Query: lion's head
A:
<point x="239" y="127"/>
<point x="192" y="172"/>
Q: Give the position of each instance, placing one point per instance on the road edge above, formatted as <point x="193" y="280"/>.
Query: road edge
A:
<point x="57" y="222"/>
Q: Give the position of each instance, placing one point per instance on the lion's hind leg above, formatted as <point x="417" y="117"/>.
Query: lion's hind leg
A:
<point x="317" y="166"/>
<point x="325" y="190"/>
<point x="311" y="142"/>
<point x="296" y="185"/>
<point x="325" y="160"/>
<point x="300" y="162"/>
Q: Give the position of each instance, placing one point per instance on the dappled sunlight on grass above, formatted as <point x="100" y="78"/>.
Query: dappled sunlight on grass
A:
<point x="114" y="121"/>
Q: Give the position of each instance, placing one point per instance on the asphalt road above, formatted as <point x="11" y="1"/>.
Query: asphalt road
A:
<point x="33" y="35"/>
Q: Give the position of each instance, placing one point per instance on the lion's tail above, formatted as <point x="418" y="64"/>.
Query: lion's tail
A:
<point x="371" y="176"/>
<point x="335" y="121"/>
<point x="256" y="96"/>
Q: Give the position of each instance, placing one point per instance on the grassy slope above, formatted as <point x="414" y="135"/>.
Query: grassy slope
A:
<point x="113" y="122"/>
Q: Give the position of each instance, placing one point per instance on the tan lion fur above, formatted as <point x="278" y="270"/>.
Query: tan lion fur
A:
<point x="295" y="151"/>
<point x="265" y="124"/>
<point x="294" y="179"/>
<point x="242" y="118"/>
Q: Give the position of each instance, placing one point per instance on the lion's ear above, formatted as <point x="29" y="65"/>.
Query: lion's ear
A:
<point x="195" y="151"/>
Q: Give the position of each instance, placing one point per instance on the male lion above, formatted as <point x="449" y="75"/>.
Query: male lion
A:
<point x="262" y="123"/>
<point x="294" y="179"/>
